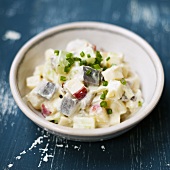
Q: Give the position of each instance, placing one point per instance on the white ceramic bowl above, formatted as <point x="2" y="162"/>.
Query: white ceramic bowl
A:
<point x="140" y="55"/>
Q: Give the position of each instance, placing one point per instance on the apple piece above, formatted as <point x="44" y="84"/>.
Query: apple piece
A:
<point x="80" y="94"/>
<point x="45" y="111"/>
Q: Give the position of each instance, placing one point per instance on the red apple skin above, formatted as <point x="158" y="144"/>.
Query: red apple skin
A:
<point x="80" y="94"/>
<point x="45" y="111"/>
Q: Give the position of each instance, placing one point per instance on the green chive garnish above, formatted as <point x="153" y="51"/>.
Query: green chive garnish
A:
<point x="82" y="54"/>
<point x="96" y="66"/>
<point x="88" y="56"/>
<point x="103" y="104"/>
<point x="77" y="59"/>
<point x="105" y="92"/>
<point x="88" y="72"/>
<point x="67" y="69"/>
<point x="139" y="103"/>
<point x="108" y="58"/>
<point x="123" y="81"/>
<point x="103" y="96"/>
<point x="62" y="78"/>
<point x="83" y="62"/>
<point x="109" y="111"/>
<point x="105" y="83"/>
<point x="69" y="55"/>
<point x="71" y="61"/>
<point x="56" y="52"/>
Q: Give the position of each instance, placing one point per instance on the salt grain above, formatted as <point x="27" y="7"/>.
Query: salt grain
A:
<point x="10" y="165"/>
<point x="11" y="35"/>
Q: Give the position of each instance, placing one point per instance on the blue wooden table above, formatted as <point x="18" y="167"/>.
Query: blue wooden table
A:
<point x="24" y="146"/>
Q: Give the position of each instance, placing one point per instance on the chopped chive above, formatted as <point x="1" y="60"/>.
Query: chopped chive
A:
<point x="56" y="52"/>
<point x="98" y="58"/>
<point x="70" y="60"/>
<point x="62" y="78"/>
<point x="67" y="69"/>
<point x="123" y="81"/>
<point x="105" y="92"/>
<point x="139" y="103"/>
<point x="109" y="111"/>
<point x="69" y="55"/>
<point x="77" y="59"/>
<point x="96" y="66"/>
<point x="83" y="62"/>
<point x="98" y="55"/>
<point x="82" y="54"/>
<point x="88" y="72"/>
<point x="103" y="96"/>
<point x="88" y="56"/>
<point x="105" y="83"/>
<point x="103" y="104"/>
<point x="108" y="58"/>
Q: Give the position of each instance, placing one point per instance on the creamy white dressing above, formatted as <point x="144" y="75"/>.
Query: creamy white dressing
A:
<point x="89" y="95"/>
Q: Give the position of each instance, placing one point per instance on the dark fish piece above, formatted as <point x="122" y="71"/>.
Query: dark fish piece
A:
<point x="69" y="106"/>
<point x="46" y="89"/>
<point x="93" y="78"/>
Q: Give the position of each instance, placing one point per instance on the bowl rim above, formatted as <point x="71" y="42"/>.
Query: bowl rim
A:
<point x="86" y="132"/>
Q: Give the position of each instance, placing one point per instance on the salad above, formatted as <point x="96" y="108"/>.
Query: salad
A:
<point x="82" y="87"/>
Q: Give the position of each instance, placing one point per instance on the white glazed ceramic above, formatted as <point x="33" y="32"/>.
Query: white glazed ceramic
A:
<point x="140" y="55"/>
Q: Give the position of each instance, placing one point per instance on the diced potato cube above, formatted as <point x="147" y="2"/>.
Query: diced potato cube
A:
<point x="133" y="105"/>
<point x="133" y="81"/>
<point x="115" y="89"/>
<point x="64" y="121"/>
<point x="84" y="122"/>
<point x="117" y="106"/>
<point x="125" y="70"/>
<point x="34" y="99"/>
<point x="113" y="73"/>
<point x="128" y="91"/>
<point x="115" y="58"/>
<point x="100" y="115"/>
<point x="114" y="119"/>
<point x="33" y="81"/>
<point x="56" y="117"/>
<point x="49" y="53"/>
<point x="39" y="70"/>
<point x="73" y="85"/>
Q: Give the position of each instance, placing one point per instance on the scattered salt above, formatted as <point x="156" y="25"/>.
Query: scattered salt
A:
<point x="10" y="165"/>
<point x="59" y="145"/>
<point x="11" y="35"/>
<point x="37" y="141"/>
<point x="23" y="152"/>
<point x="45" y="159"/>
<point x="103" y="147"/>
<point x="18" y="157"/>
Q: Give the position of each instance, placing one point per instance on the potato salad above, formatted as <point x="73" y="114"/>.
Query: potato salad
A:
<point x="83" y="87"/>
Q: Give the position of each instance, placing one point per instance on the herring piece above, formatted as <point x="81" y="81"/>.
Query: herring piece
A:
<point x="69" y="105"/>
<point x="91" y="76"/>
<point x="46" y="89"/>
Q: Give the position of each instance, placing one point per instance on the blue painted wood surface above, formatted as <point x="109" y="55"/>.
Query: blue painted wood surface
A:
<point x="147" y="146"/>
